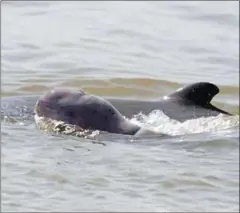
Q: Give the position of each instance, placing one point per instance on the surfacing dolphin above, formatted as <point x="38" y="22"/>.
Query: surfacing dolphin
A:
<point x="89" y="111"/>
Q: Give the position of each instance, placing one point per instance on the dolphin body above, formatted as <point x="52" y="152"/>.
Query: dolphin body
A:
<point x="189" y="102"/>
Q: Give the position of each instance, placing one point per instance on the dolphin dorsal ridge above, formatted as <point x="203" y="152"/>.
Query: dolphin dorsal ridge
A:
<point x="200" y="93"/>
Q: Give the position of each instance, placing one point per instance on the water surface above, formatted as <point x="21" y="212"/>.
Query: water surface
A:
<point x="140" y="50"/>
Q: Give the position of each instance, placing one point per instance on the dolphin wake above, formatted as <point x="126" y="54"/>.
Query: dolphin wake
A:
<point x="159" y="122"/>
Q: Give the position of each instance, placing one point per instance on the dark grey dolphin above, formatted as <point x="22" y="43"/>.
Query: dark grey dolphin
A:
<point x="192" y="101"/>
<point x="189" y="102"/>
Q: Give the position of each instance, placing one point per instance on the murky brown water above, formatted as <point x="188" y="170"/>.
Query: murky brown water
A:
<point x="141" y="50"/>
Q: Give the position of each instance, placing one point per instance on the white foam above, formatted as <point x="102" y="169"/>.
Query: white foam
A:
<point x="159" y="122"/>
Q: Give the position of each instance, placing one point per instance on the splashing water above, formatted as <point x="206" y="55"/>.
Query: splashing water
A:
<point x="59" y="127"/>
<point x="159" y="122"/>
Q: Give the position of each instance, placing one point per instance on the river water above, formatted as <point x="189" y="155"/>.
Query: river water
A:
<point x="141" y="50"/>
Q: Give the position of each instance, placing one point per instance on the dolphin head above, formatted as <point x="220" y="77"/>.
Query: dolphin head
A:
<point x="87" y="111"/>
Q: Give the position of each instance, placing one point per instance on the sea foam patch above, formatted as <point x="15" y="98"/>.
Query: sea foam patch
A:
<point x="159" y="122"/>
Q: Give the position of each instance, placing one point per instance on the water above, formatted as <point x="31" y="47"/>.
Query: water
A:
<point x="141" y="50"/>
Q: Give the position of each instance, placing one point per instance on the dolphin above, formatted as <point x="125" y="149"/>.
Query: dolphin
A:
<point x="189" y="102"/>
